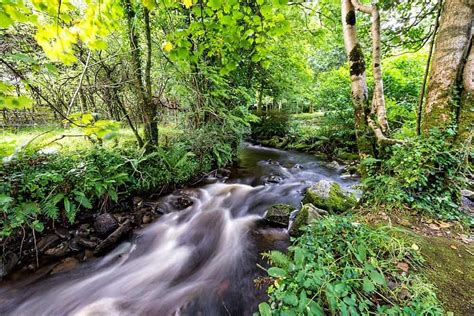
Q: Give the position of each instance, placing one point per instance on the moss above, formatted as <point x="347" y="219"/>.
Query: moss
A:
<point x="336" y="200"/>
<point x="450" y="267"/>
<point x="279" y="214"/>
<point x="300" y="222"/>
<point x="356" y="56"/>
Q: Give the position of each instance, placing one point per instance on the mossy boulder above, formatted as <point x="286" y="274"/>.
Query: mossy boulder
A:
<point x="329" y="196"/>
<point x="279" y="214"/>
<point x="305" y="216"/>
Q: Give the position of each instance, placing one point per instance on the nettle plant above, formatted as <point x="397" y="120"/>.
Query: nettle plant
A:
<point x="341" y="267"/>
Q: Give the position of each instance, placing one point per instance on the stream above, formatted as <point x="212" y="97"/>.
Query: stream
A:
<point x="202" y="260"/>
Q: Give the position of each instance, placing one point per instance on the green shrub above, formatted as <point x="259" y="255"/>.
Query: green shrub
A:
<point x="39" y="189"/>
<point x="426" y="174"/>
<point x="271" y="123"/>
<point x="340" y="267"/>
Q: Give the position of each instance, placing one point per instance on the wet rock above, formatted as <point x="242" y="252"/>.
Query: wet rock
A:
<point x="333" y="165"/>
<point x="346" y="176"/>
<point x="47" y="242"/>
<point x="136" y="201"/>
<point x="59" y="251"/>
<point x="279" y="214"/>
<point x="74" y="245"/>
<point x="112" y="239"/>
<point x="468" y="194"/>
<point x="329" y="196"/>
<point x="223" y="173"/>
<point x="273" y="162"/>
<point x="65" y="265"/>
<point x="297" y="166"/>
<point x="86" y="242"/>
<point x="182" y="202"/>
<point x="467" y="205"/>
<point x="7" y="263"/>
<point x="147" y="218"/>
<point x="305" y="216"/>
<point x="105" y="223"/>
<point x="62" y="233"/>
<point x="273" y="179"/>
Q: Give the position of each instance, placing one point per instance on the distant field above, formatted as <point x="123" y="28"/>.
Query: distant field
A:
<point x="56" y="138"/>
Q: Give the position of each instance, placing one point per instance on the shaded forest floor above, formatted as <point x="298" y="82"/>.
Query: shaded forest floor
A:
<point x="448" y="250"/>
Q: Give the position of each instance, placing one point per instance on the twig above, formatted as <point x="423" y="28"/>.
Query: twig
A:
<point x="79" y="86"/>
<point x="36" y="248"/>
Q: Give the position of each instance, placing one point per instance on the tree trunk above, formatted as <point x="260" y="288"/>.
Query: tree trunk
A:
<point x="358" y="79"/>
<point x="146" y="104"/>
<point x="443" y="104"/>
<point x="465" y="117"/>
<point x="151" y="114"/>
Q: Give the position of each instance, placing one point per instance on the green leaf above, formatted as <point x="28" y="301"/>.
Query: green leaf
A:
<point x="368" y="286"/>
<point x="290" y="299"/>
<point x="377" y="277"/>
<point x="81" y="198"/>
<point x="113" y="195"/>
<point x="264" y="309"/>
<point x="276" y="272"/>
<point x="316" y="309"/>
<point x="37" y="225"/>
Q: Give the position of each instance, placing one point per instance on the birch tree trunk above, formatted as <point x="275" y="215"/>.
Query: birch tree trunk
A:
<point x="358" y="79"/>
<point x="443" y="106"/>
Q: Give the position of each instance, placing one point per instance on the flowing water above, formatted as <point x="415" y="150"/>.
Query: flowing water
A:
<point x="202" y="260"/>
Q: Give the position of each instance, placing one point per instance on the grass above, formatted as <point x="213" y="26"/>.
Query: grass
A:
<point x="57" y="138"/>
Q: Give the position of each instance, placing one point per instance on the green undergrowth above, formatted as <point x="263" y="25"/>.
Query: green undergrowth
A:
<point x="341" y="267"/>
<point x="425" y="174"/>
<point x="330" y="133"/>
<point x="41" y="189"/>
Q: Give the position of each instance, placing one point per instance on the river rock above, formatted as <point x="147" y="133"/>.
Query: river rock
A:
<point x="59" y="251"/>
<point x="7" y="263"/>
<point x="333" y="165"/>
<point x="105" y="223"/>
<point x="65" y="265"/>
<point x="273" y="179"/>
<point x="305" y="216"/>
<point x="468" y="194"/>
<point x="279" y="214"/>
<point x="112" y="239"/>
<point x="467" y="206"/>
<point x="62" y="233"/>
<point x="47" y="242"/>
<point x="329" y="196"/>
<point x="87" y="242"/>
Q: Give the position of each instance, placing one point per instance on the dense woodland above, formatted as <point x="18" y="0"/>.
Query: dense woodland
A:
<point x="105" y="101"/>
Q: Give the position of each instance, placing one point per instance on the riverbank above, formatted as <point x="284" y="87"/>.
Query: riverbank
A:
<point x="80" y="202"/>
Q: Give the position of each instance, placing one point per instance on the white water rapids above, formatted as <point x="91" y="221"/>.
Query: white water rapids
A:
<point x="198" y="261"/>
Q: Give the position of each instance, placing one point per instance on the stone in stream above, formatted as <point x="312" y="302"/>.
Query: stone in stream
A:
<point x="279" y="215"/>
<point x="48" y="241"/>
<point x="468" y="194"/>
<point x="329" y="196"/>
<point x="66" y="264"/>
<point x="59" y="251"/>
<point x="112" y="239"/>
<point x="273" y="179"/>
<point x="305" y="216"/>
<point x="105" y="223"/>
<point x="7" y="263"/>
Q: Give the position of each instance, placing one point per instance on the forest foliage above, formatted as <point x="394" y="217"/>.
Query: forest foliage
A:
<point x="214" y="72"/>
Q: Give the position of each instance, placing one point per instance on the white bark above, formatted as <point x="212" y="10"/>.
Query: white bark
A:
<point x="378" y="101"/>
